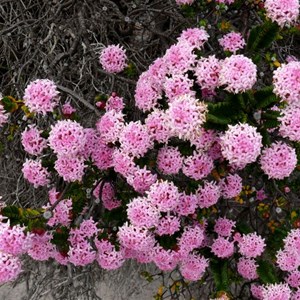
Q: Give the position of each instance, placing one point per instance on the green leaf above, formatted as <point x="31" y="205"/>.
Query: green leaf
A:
<point x="220" y="274"/>
<point x="265" y="97"/>
<point x="266" y="272"/>
<point x="262" y="36"/>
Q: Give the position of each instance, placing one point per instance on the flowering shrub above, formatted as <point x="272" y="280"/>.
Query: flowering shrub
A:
<point x="193" y="182"/>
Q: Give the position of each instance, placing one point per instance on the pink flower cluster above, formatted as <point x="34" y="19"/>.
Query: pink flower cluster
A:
<point x="32" y="141"/>
<point x="41" y="96"/>
<point x="232" y="42"/>
<point x="35" y="173"/>
<point x="290" y="122"/>
<point x="113" y="59"/>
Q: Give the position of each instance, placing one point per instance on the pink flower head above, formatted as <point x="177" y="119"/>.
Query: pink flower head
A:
<point x="164" y="195"/>
<point x="184" y="2"/>
<point x="290" y="123"/>
<point x="193" y="267"/>
<point x="186" y="115"/>
<point x="158" y="126"/>
<point x="61" y="213"/>
<point x="205" y="139"/>
<point x="32" y="141"/>
<point x="238" y="74"/>
<point x="40" y="246"/>
<point x="195" y="37"/>
<point x="115" y="103"/>
<point x="136" y="238"/>
<point x="67" y="138"/>
<point x="35" y="173"/>
<point x="169" y="160"/>
<point x="241" y="144"/>
<point x="198" y="166"/>
<point x="280" y="291"/>
<point x="251" y="245"/>
<point x="10" y="267"/>
<point x="261" y="195"/>
<point x="288" y="259"/>
<point x="284" y="12"/>
<point x="141" y="213"/>
<point x="191" y="238"/>
<point x="231" y="186"/>
<point x="165" y="260"/>
<point x="68" y="109"/>
<point x="247" y="268"/>
<point x="110" y="126"/>
<point x="224" y="227"/>
<point x="187" y="204"/>
<point x="108" y="195"/>
<point x="256" y="291"/>
<point x="102" y="155"/>
<point x="70" y="168"/>
<point x="123" y="163"/>
<point x="168" y="225"/>
<point x="41" y="96"/>
<point x="279" y="160"/>
<point x="178" y="85"/>
<point x="135" y="139"/>
<point x="232" y="42"/>
<point x="113" y="59"/>
<point x="109" y="258"/>
<point x="81" y="254"/>
<point x="222" y="247"/>
<point x="207" y="72"/>
<point x="293" y="279"/>
<point x="141" y="179"/>
<point x="180" y="58"/>
<point x="286" y="81"/>
<point x="208" y="195"/>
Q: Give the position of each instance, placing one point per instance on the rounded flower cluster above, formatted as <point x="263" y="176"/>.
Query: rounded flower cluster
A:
<point x="284" y="12"/>
<point x="186" y="115"/>
<point x="222" y="247"/>
<point x="135" y="139"/>
<point x="169" y="160"/>
<point x="290" y="123"/>
<point x="192" y="238"/>
<point x="241" y="145"/>
<point x="113" y="59"/>
<point x="286" y="80"/>
<point x="247" y="268"/>
<point x="196" y="37"/>
<point x="35" y="173"/>
<point x="231" y="186"/>
<point x="168" y="225"/>
<point x="115" y="103"/>
<point x="41" y="96"/>
<point x="198" y="166"/>
<point x="208" y="195"/>
<point x="187" y="204"/>
<point x="32" y="141"/>
<point x="67" y="138"/>
<point x="251" y="245"/>
<point x="207" y="72"/>
<point x="238" y="74"/>
<point x="232" y="42"/>
<point x="224" y="227"/>
<point x="193" y="267"/>
<point x="293" y="279"/>
<point x="276" y="291"/>
<point x="279" y="160"/>
<point x="10" y="267"/>
<point x="141" y="179"/>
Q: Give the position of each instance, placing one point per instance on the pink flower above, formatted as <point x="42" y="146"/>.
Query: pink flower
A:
<point x="68" y="109"/>
<point x="141" y="212"/>
<point x="67" y="138"/>
<point x="169" y="160"/>
<point x="81" y="254"/>
<point x="251" y="245"/>
<point x="187" y="204"/>
<point x="274" y="291"/>
<point x="232" y="42"/>
<point x="261" y="195"/>
<point x="102" y="155"/>
<point x="191" y="238"/>
<point x="41" y="96"/>
<point x="32" y="141"/>
<point x="186" y="115"/>
<point x="168" y="225"/>
<point x="290" y="122"/>
<point x="222" y="247"/>
<point x="286" y="81"/>
<point x="41" y="247"/>
<point x="113" y="59"/>
<point x="238" y="74"/>
<point x="70" y="168"/>
<point x="207" y="72"/>
<point x="184" y="2"/>
<point x="204" y="139"/>
<point x="110" y="259"/>
<point x="108" y="195"/>
<point x="135" y="139"/>
<point x="35" y="173"/>
<point x="193" y="267"/>
<point x="197" y="166"/>
<point x="115" y="103"/>
<point x="141" y="180"/>
<point x="288" y="259"/>
<point x="241" y="144"/>
<point x="247" y="268"/>
<point x="123" y="163"/>
<point x="279" y="160"/>
<point x="10" y="267"/>
<point x="110" y="126"/>
<point x="61" y="213"/>
<point x="231" y="186"/>
<point x="293" y="279"/>
<point x="256" y="291"/>
<point x="135" y="238"/>
<point x="284" y="12"/>
<point x="224" y="227"/>
<point x="208" y="195"/>
<point x="195" y="37"/>
<point x="165" y="260"/>
<point x="164" y="195"/>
